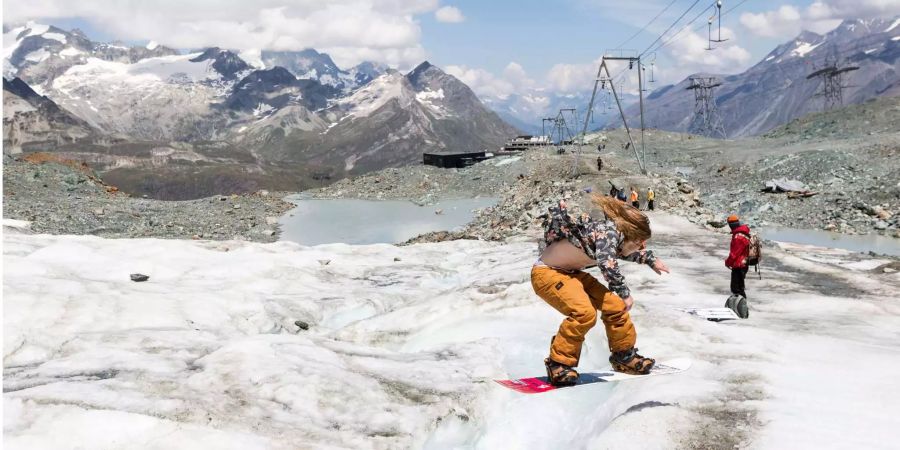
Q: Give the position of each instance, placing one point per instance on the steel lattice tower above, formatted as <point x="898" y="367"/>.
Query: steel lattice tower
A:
<point x="833" y="86"/>
<point x="706" y="121"/>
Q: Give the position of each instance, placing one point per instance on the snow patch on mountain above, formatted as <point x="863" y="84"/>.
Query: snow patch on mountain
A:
<point x="427" y="98"/>
<point x="803" y="48"/>
<point x="893" y="25"/>
<point x="70" y="51"/>
<point x="262" y="109"/>
<point x="149" y="99"/>
<point x="374" y="95"/>
<point x="36" y="29"/>
<point x="37" y="56"/>
<point x="150" y="70"/>
<point x="152" y="45"/>
<point x="55" y="36"/>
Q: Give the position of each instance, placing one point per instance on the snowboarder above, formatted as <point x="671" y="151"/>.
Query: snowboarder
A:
<point x="737" y="257"/>
<point x="650" y="197"/>
<point x="573" y="241"/>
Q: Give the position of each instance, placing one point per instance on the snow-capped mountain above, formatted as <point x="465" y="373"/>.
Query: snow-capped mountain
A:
<point x="776" y="90"/>
<point x="268" y="120"/>
<point x="159" y="98"/>
<point x="311" y="65"/>
<point x="388" y="122"/>
<point x="224" y="62"/>
<point x="38" y="53"/>
<point x="271" y="89"/>
<point x="32" y="121"/>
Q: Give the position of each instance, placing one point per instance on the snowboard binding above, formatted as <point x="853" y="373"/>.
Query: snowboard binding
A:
<point x="560" y="374"/>
<point x="629" y="361"/>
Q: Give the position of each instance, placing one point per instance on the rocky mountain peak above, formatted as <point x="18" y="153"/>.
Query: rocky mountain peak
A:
<point x="226" y="62"/>
<point x="20" y="88"/>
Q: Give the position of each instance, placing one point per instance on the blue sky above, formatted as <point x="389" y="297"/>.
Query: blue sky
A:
<point x="538" y="36"/>
<point x="497" y="47"/>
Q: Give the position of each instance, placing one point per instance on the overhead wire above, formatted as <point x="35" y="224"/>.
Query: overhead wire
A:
<point x="672" y="25"/>
<point x="676" y="36"/>
<point x="647" y="25"/>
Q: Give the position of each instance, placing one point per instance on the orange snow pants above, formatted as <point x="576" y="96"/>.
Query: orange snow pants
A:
<point x="578" y="296"/>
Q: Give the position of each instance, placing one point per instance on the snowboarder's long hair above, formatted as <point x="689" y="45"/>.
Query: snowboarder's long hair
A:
<point x="630" y="221"/>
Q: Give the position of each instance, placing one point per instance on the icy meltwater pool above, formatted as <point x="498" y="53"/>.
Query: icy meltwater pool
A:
<point x="857" y="243"/>
<point x="351" y="221"/>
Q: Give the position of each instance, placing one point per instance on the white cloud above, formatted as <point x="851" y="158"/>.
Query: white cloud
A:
<point x="572" y="77"/>
<point x="449" y="14"/>
<point x="820" y="16"/>
<point x="689" y="55"/>
<point x="486" y="84"/>
<point x="772" y="23"/>
<point x="349" y="30"/>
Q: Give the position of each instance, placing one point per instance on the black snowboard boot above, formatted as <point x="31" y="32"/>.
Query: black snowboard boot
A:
<point x="629" y="361"/>
<point x="738" y="304"/>
<point x="560" y="374"/>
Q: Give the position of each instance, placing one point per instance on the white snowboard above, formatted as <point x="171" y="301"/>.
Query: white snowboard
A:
<point x="713" y="314"/>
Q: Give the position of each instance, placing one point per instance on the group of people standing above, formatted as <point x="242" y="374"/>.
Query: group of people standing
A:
<point x="633" y="197"/>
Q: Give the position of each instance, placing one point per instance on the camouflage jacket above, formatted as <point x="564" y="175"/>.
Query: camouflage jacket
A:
<point x="599" y="239"/>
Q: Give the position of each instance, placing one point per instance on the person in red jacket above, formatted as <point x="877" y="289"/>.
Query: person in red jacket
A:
<point x="737" y="257"/>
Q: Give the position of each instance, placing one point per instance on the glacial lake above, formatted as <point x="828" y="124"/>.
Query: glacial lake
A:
<point x="857" y="243"/>
<point x="351" y="221"/>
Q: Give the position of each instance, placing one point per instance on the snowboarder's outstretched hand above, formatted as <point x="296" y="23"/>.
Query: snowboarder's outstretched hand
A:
<point x="659" y="267"/>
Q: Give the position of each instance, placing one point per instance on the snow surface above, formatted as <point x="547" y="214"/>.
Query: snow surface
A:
<point x="152" y="45"/>
<point x="401" y="353"/>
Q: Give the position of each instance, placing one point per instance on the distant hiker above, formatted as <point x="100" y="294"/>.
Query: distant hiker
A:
<point x="599" y="164"/>
<point x="634" y="198"/>
<point x="613" y="190"/>
<point x="738" y="261"/>
<point x="650" y="196"/>
<point x="573" y="241"/>
<point x="620" y="196"/>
